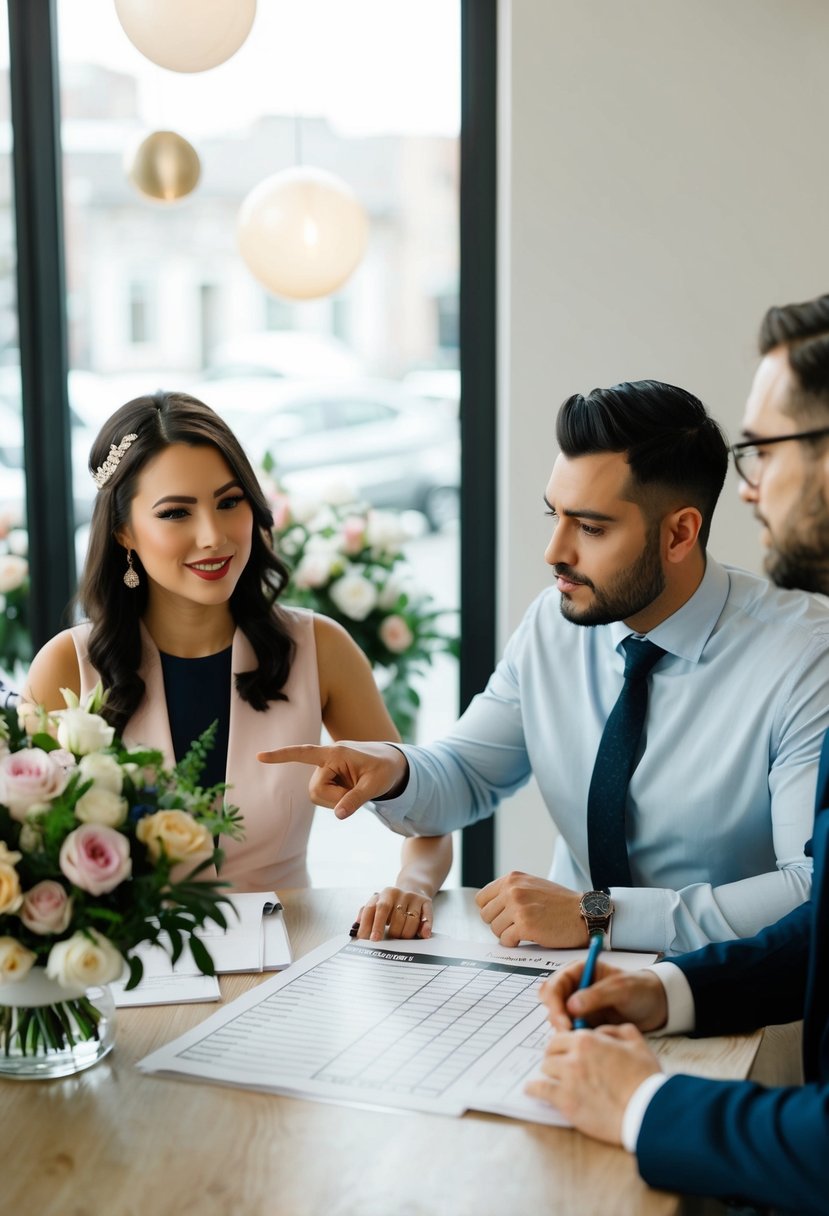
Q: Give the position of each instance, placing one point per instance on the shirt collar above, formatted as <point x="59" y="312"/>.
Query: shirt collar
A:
<point x="686" y="632"/>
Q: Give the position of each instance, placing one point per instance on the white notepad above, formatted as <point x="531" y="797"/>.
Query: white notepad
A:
<point x="256" y="939"/>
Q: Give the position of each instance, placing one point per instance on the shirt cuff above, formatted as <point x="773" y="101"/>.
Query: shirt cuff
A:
<point x="643" y="918"/>
<point x="394" y="811"/>
<point x="681" y="1011"/>
<point x="636" y="1107"/>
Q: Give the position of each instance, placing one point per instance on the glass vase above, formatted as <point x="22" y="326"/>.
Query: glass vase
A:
<point x="49" y="1031"/>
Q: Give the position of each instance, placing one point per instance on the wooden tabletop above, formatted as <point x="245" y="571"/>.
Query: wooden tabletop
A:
<point x="112" y="1142"/>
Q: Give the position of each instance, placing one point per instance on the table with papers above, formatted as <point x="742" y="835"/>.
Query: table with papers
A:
<point x="115" y="1141"/>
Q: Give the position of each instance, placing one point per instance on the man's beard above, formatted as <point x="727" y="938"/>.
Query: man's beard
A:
<point x="629" y="592"/>
<point x="800" y="558"/>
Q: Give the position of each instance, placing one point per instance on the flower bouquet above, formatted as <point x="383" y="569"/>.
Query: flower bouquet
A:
<point x="101" y="849"/>
<point x="348" y="563"/>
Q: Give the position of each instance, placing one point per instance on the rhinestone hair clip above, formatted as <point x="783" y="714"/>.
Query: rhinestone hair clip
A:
<point x="105" y="470"/>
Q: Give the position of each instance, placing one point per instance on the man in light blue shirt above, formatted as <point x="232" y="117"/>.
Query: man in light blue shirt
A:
<point x="719" y="804"/>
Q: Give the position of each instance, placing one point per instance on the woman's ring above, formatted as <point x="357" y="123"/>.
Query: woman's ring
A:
<point x="411" y="914"/>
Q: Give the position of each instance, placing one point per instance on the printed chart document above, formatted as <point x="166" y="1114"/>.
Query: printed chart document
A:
<point x="255" y="940"/>
<point x="437" y="1025"/>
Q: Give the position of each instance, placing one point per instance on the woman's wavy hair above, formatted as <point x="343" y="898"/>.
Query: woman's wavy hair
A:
<point x="114" y="610"/>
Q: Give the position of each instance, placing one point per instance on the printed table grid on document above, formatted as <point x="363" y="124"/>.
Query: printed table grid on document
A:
<point x="362" y="1020"/>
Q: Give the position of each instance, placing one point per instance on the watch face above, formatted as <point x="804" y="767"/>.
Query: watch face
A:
<point x="596" y="903"/>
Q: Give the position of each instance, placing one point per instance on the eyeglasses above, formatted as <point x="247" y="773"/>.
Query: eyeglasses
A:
<point x="748" y="454"/>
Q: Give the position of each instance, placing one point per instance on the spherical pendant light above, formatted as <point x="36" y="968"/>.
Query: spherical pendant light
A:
<point x="302" y="232"/>
<point x="186" y="35"/>
<point x="164" y="166"/>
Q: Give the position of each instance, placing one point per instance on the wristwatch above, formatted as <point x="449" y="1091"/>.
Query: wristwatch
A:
<point x="597" y="909"/>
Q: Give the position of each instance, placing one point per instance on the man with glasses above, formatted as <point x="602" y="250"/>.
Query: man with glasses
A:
<point x="783" y="459"/>
<point x="766" y="1145"/>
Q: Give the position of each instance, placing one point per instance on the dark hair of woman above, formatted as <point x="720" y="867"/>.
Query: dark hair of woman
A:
<point x="158" y="421"/>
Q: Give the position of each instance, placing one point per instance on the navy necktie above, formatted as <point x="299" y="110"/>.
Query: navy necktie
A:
<point x="615" y="762"/>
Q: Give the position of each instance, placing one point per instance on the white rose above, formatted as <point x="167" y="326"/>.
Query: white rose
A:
<point x="322" y="519"/>
<point x="18" y="542"/>
<point x="384" y="532"/>
<point x="292" y="542"/>
<point x="340" y="492"/>
<point x="354" y="595"/>
<point x="100" y="805"/>
<point x="313" y="571"/>
<point x="104" y="771"/>
<point x="86" y="958"/>
<point x="13" y="572"/>
<point x="304" y="508"/>
<point x="81" y="732"/>
<point x="391" y="592"/>
<point x="15" y="960"/>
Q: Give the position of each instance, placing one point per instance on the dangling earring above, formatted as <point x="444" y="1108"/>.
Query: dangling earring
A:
<point x="131" y="578"/>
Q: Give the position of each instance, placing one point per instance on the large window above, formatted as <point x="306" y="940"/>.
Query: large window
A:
<point x="359" y="389"/>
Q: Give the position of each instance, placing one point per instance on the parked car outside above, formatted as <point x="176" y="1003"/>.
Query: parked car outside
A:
<point x="285" y="354"/>
<point x="391" y="448"/>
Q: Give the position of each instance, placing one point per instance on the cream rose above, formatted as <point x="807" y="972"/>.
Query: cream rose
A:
<point x="95" y="858"/>
<point x="354" y="595"/>
<point x="104" y="771"/>
<point x="176" y="835"/>
<point x="27" y="777"/>
<point x="101" y="806"/>
<point x="46" y="908"/>
<point x="85" y="958"/>
<point x="31" y="837"/>
<point x="10" y="895"/>
<point x="314" y="570"/>
<point x="15" y="960"/>
<point x="13" y="572"/>
<point x="81" y="732"/>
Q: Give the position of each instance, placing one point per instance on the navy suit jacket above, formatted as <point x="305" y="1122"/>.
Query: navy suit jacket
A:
<point x="736" y="1138"/>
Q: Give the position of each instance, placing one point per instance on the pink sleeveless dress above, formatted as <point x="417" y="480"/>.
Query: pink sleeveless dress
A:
<point x="273" y="798"/>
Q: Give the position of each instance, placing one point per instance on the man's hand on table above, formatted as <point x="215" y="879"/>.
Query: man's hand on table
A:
<point x="520" y="907"/>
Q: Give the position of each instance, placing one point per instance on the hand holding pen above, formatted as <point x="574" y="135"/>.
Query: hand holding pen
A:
<point x="607" y="995"/>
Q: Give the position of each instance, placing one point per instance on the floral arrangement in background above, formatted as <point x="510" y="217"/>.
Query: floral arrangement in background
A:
<point x="347" y="562"/>
<point x="15" y="638"/>
<point x="101" y="849"/>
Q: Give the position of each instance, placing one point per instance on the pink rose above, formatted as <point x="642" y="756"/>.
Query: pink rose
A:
<point x="281" y="507"/>
<point x="354" y="534"/>
<point x="96" y="858"/>
<point x="46" y="908"/>
<point x="28" y="777"/>
<point x="395" y="634"/>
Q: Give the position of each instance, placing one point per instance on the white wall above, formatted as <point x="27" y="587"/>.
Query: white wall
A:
<point x="663" y="180"/>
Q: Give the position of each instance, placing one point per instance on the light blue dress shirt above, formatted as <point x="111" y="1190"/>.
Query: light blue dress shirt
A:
<point x="720" y="803"/>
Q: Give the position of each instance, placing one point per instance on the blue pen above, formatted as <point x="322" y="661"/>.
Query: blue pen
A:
<point x="596" y="943"/>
